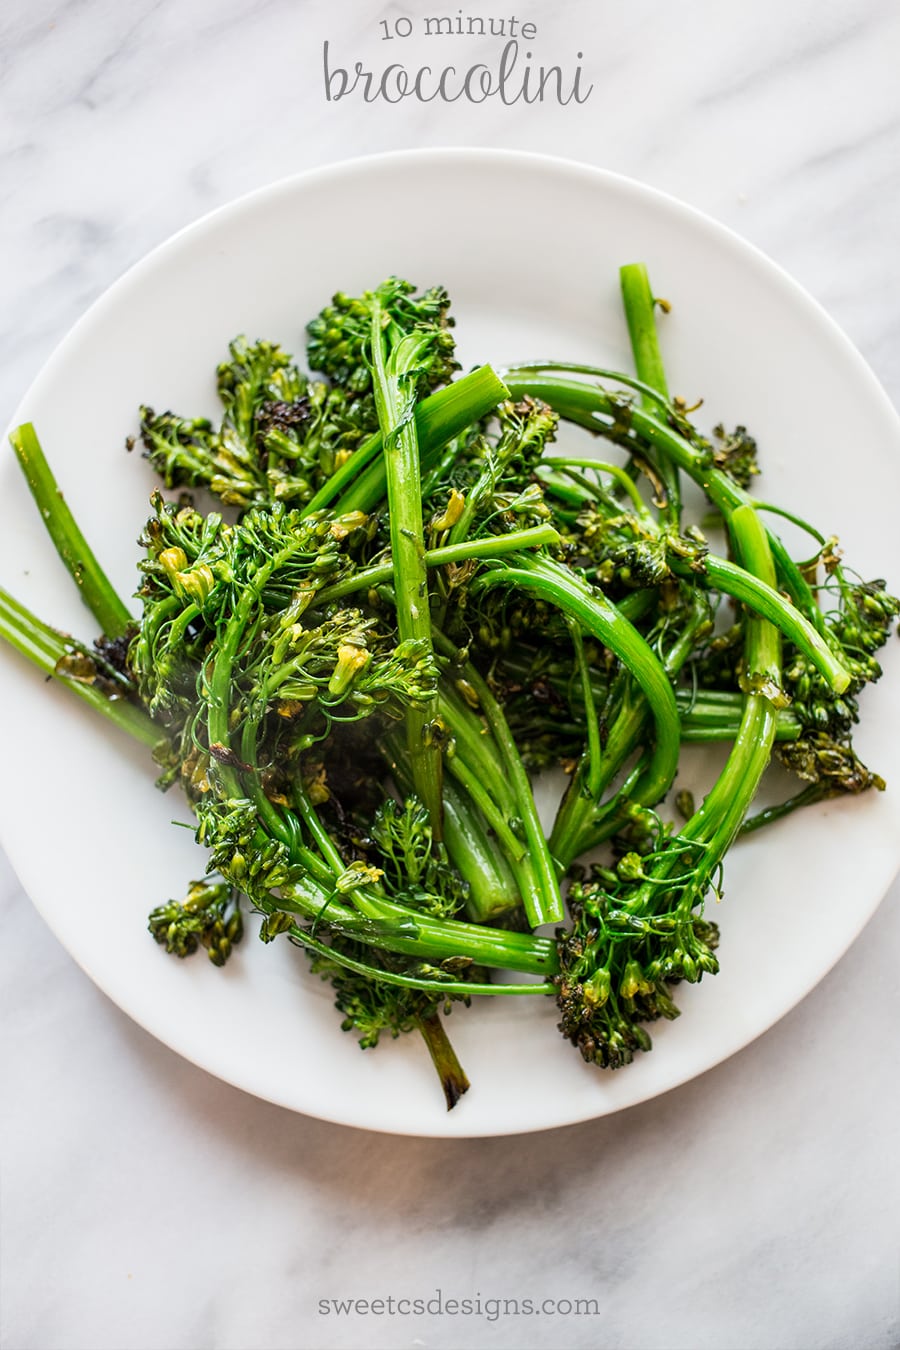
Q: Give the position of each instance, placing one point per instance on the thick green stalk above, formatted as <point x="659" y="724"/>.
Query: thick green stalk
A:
<point x="584" y="820"/>
<point x="544" y="904"/>
<point x="640" y="313"/>
<point x="714" y="826"/>
<point x="443" y="1057"/>
<point x="447" y="987"/>
<point x="719" y="818"/>
<point x="360" y="483"/>
<point x="474" y="761"/>
<point x="493" y="890"/>
<point x="392" y="371"/>
<point x="96" y="589"/>
<point x="472" y="784"/>
<point x="703" y="720"/>
<point x="50" y="650"/>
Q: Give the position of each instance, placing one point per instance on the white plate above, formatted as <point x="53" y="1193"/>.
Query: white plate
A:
<point x="529" y="248"/>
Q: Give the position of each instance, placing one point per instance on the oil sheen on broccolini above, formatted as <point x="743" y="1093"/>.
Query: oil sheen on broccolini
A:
<point x="386" y="598"/>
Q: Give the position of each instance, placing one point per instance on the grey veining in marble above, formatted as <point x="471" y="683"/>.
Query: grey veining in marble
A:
<point x="150" y="1207"/>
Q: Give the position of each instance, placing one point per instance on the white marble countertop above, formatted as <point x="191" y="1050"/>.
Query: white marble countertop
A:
<point x="147" y="1206"/>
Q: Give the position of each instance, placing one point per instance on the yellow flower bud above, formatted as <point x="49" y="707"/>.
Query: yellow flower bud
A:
<point x="173" y="560"/>
<point x="452" y="512"/>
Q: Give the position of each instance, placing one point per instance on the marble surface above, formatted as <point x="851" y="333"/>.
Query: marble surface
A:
<point x="147" y="1206"/>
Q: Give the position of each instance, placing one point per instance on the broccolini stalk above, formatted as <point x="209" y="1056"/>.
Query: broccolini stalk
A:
<point x="359" y="483"/>
<point x="608" y="414"/>
<point x="403" y="346"/>
<point x="598" y="616"/>
<point x="542" y="898"/>
<point x="494" y="896"/>
<point x="584" y="820"/>
<point x="722" y="812"/>
<point x="763" y="599"/>
<point x="79" y="669"/>
<point x="638" y="928"/>
<point x="97" y="591"/>
<point x="640" y="306"/>
<point x="491" y="546"/>
<point x="494" y="893"/>
<point x="443" y="1057"/>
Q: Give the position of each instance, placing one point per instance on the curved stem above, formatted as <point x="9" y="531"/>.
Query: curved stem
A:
<point x="599" y="617"/>
<point x="765" y="600"/>
<point x="593" y="408"/>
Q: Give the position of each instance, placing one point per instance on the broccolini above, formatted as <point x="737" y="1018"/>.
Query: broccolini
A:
<point x="410" y="604"/>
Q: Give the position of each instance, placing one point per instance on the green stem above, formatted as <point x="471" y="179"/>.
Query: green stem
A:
<point x="594" y="769"/>
<point x="469" y="780"/>
<point x="547" y="906"/>
<point x="584" y="821"/>
<point x="448" y="987"/>
<point x="814" y="792"/>
<point x="391" y="373"/>
<point x="640" y="314"/>
<point x="492" y="546"/>
<point x="96" y="589"/>
<point x="360" y="484"/>
<point x="623" y="481"/>
<point x="593" y="408"/>
<point x="443" y="1057"/>
<point x="599" y="617"/>
<point x="766" y="601"/>
<point x="719" y="818"/>
<point x="46" y="647"/>
<point x="493" y="890"/>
